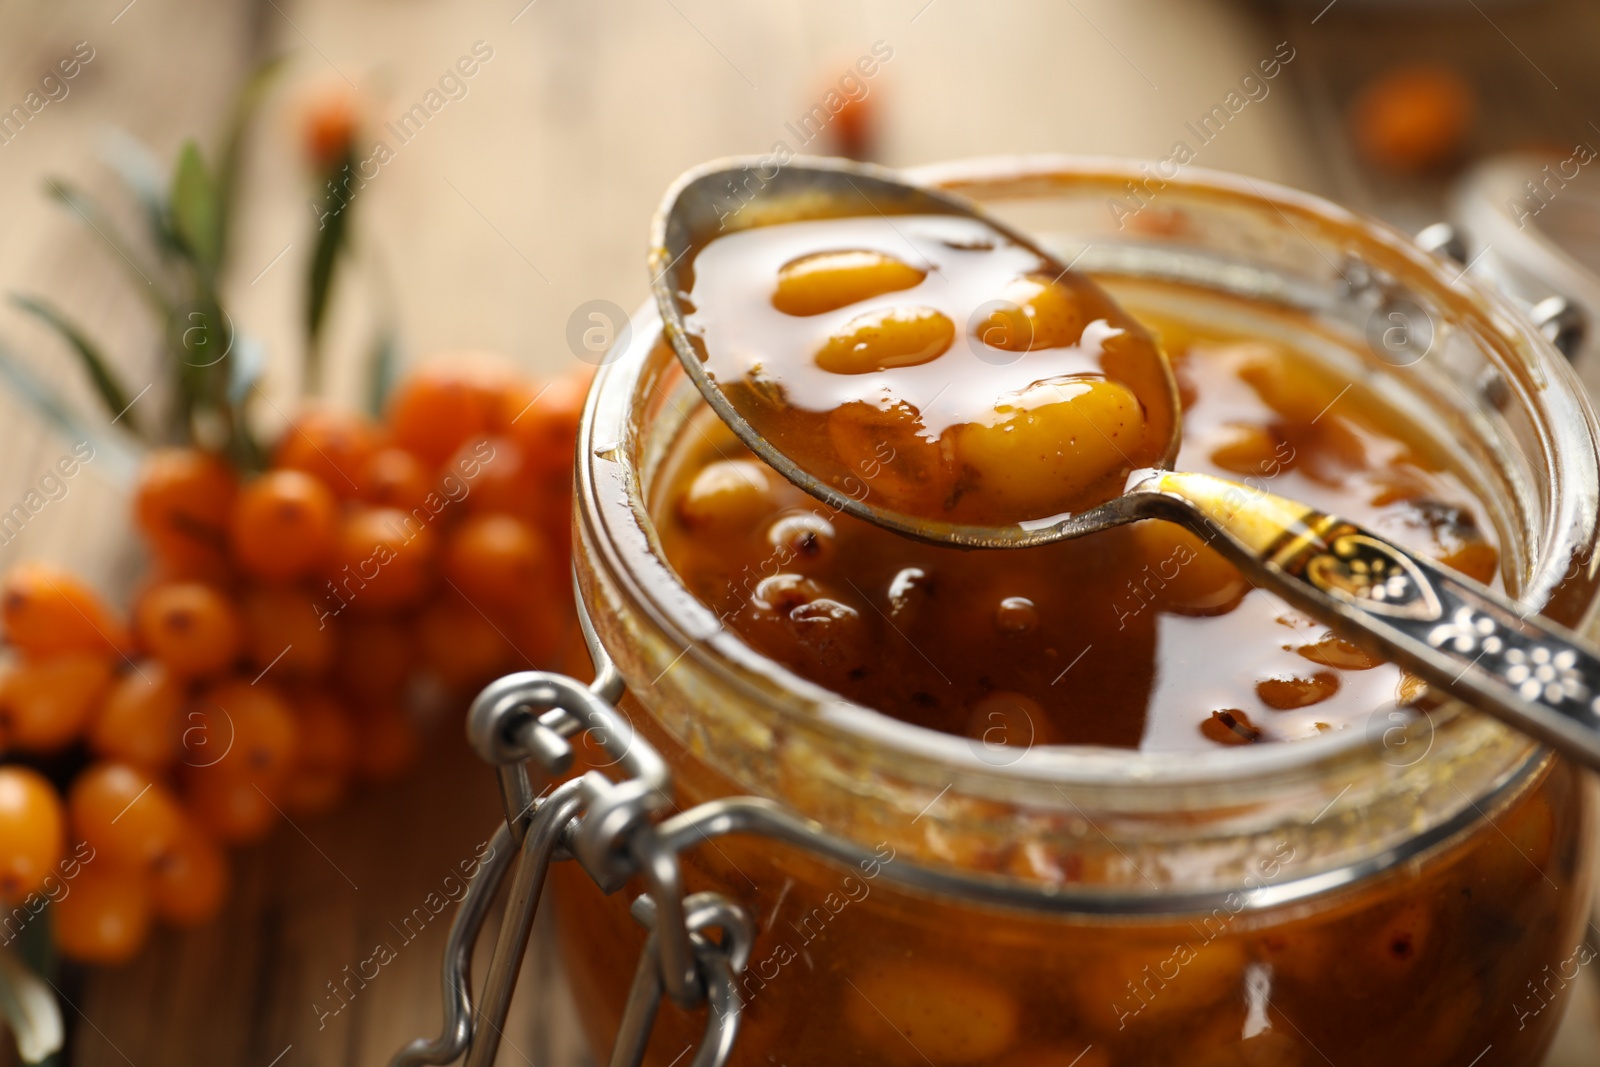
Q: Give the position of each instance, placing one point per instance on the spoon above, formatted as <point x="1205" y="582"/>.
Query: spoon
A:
<point x="1457" y="635"/>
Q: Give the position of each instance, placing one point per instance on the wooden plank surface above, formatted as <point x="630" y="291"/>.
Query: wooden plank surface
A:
<point x="517" y="203"/>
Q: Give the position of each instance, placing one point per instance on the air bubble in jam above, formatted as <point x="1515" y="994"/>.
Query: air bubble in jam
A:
<point x="1016" y="615"/>
<point x="803" y="538"/>
<point x="908" y="592"/>
<point x="812" y="624"/>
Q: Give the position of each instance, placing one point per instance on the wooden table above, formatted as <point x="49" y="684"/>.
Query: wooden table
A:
<point x="516" y="203"/>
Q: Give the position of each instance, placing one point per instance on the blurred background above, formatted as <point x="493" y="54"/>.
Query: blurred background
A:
<point x="493" y="207"/>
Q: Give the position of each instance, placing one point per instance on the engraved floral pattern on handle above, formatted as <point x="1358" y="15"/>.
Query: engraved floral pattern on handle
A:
<point x="1361" y="569"/>
<point x="1537" y="670"/>
<point x="1450" y="629"/>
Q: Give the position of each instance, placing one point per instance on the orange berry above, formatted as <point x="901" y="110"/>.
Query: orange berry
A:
<point x="190" y="882"/>
<point x="45" y="703"/>
<point x="321" y="776"/>
<point x="496" y="475"/>
<point x="332" y="445"/>
<point x="47" y="610"/>
<point x="449" y="399"/>
<point x="547" y="429"/>
<point x="33" y="831"/>
<point x="190" y="627"/>
<point x="853" y="128"/>
<point x="387" y="742"/>
<point x="105" y="917"/>
<point x="249" y="733"/>
<point x="205" y="738"/>
<point x="233" y="810"/>
<point x="555" y="517"/>
<point x="461" y="644"/>
<point x="383" y="560"/>
<point x="124" y="814"/>
<point x="283" y="525"/>
<point x="540" y="630"/>
<point x="515" y="399"/>
<point x="1413" y="118"/>
<point x="138" y="722"/>
<point x="394" y="478"/>
<point x="331" y="119"/>
<point x="216" y="571"/>
<point x="375" y="657"/>
<point x="498" y="559"/>
<point x="182" y="504"/>
<point x="286" y="633"/>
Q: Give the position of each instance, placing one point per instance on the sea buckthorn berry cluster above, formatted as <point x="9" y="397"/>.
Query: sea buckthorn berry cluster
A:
<point x="293" y="626"/>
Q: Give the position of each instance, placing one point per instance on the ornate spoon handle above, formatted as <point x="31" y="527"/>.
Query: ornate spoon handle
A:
<point x="1460" y="637"/>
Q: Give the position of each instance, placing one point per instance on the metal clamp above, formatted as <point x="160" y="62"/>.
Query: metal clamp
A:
<point x="457" y="979"/>
<point x="610" y="827"/>
<point x="1561" y="320"/>
<point x="722" y="963"/>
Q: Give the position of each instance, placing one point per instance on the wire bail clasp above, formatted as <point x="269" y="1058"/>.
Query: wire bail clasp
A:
<point x="610" y="827"/>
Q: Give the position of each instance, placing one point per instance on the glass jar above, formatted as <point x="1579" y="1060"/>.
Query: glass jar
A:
<point x="1409" y="892"/>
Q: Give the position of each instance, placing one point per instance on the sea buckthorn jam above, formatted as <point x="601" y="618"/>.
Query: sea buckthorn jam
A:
<point x="1034" y="395"/>
<point x="1007" y="389"/>
<point x="1346" y="901"/>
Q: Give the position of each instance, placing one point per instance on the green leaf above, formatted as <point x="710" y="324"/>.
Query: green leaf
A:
<point x="383" y="367"/>
<point x="122" y="462"/>
<point x="133" y="162"/>
<point x="112" y="393"/>
<point x="331" y="239"/>
<point x="196" y="212"/>
<point x="245" y="104"/>
<point x="92" y="215"/>
<point x="249" y="358"/>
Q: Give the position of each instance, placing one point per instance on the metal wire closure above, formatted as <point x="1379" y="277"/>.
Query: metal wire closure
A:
<point x="722" y="961"/>
<point x="609" y="827"/>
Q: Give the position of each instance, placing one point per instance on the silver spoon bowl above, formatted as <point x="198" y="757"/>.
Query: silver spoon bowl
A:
<point x="1464" y="639"/>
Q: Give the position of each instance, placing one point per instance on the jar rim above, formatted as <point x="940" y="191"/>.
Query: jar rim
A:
<point x="613" y="510"/>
